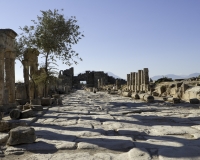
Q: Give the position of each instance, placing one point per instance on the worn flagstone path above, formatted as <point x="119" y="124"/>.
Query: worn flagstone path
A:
<point x="96" y="126"/>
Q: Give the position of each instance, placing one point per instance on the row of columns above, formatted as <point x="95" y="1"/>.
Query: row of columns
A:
<point x="7" y="67"/>
<point x="138" y="81"/>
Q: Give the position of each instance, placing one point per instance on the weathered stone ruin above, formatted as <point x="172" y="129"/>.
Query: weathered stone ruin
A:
<point x="92" y="78"/>
<point x="138" y="86"/>
<point x="186" y="90"/>
<point x="138" y="81"/>
<point x="7" y="66"/>
<point x="65" y="80"/>
<point x="21" y="135"/>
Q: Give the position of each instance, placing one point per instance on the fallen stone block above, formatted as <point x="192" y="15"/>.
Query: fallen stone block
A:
<point x="21" y="135"/>
<point x="126" y="94"/>
<point x="148" y="98"/>
<point x="174" y="100"/>
<point x="26" y="106"/>
<point x="15" y="114"/>
<point x="46" y="101"/>
<point x="141" y="96"/>
<point x="37" y="108"/>
<point x="7" y="125"/>
<point x="27" y="113"/>
<point x="194" y="101"/>
<point x="154" y="93"/>
<point x="135" y="96"/>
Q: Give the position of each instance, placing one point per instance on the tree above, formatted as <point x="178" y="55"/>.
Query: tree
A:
<point x="53" y="35"/>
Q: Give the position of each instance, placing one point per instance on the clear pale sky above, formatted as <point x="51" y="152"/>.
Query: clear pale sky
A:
<point x="122" y="36"/>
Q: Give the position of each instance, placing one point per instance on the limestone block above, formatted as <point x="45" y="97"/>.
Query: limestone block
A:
<point x="26" y="106"/>
<point x="37" y="108"/>
<point x="194" y="101"/>
<point x="154" y="93"/>
<point x="148" y="98"/>
<point x="15" y="114"/>
<point x="46" y="101"/>
<point x="7" y="125"/>
<point x="27" y="113"/>
<point x="141" y="96"/>
<point x="166" y="98"/>
<point x="21" y="135"/>
<point x="174" y="100"/>
<point x="135" y="96"/>
<point x="126" y="94"/>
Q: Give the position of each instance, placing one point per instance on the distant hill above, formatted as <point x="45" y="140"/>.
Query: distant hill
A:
<point x="173" y="76"/>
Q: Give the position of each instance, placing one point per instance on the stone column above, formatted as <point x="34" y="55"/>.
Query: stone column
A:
<point x="142" y="81"/>
<point x="2" y="53"/>
<point x="130" y="83"/>
<point x="146" y="78"/>
<point x="99" y="84"/>
<point x="10" y="76"/>
<point x="102" y="82"/>
<point x="136" y="82"/>
<point x="133" y="81"/>
<point x="26" y="77"/>
<point x="117" y="84"/>
<point x="139" y="79"/>
<point x="128" y="80"/>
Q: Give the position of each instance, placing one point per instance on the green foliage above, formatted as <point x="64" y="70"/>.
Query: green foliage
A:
<point x="163" y="79"/>
<point x="54" y="36"/>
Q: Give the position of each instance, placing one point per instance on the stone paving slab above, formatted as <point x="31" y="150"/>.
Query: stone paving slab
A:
<point x="102" y="126"/>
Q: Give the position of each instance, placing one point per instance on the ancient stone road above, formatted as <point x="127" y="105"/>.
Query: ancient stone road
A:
<point x="94" y="126"/>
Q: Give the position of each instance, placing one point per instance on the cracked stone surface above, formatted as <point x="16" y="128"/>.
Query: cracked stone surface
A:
<point x="94" y="126"/>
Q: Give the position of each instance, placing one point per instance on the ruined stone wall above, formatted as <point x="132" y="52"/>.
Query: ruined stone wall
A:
<point x="66" y="78"/>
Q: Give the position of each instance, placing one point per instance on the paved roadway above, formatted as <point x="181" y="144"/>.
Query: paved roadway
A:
<point x="99" y="126"/>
